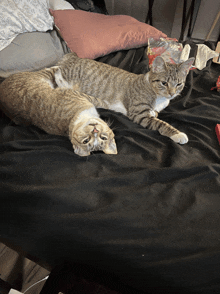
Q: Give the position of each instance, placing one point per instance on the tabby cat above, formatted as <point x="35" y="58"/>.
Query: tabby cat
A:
<point x="139" y="97"/>
<point x="33" y="98"/>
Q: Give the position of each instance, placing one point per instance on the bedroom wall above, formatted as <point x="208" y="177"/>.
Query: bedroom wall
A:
<point x="167" y="15"/>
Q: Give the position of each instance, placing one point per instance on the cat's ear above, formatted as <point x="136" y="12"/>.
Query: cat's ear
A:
<point x="186" y="65"/>
<point x="79" y="151"/>
<point x="110" y="147"/>
<point x="158" y="65"/>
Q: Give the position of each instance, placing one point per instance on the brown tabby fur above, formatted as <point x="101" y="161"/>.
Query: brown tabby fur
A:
<point x="33" y="98"/>
<point x="140" y="97"/>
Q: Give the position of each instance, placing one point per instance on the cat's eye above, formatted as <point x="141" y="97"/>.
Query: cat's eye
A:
<point x="86" y="140"/>
<point x="179" y="84"/>
<point x="164" y="83"/>
<point x="103" y="137"/>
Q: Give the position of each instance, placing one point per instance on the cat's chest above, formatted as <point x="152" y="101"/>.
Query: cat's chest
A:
<point x="161" y="103"/>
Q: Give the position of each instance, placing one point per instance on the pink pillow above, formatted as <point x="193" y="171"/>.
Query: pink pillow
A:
<point x="92" y="35"/>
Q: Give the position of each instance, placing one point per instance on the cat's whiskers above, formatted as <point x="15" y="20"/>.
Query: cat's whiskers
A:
<point x="115" y="128"/>
<point x="108" y="122"/>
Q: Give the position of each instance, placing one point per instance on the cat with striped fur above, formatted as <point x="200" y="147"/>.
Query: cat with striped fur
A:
<point x="33" y="98"/>
<point x="139" y="97"/>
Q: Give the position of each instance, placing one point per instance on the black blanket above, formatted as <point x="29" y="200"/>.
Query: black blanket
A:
<point x="149" y="215"/>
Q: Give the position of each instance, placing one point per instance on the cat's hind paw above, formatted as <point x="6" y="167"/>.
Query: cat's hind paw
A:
<point x="180" y="138"/>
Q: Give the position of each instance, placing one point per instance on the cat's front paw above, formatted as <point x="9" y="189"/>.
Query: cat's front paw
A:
<point x="180" y="138"/>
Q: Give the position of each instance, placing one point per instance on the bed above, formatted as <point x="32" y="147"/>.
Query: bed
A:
<point x="148" y="217"/>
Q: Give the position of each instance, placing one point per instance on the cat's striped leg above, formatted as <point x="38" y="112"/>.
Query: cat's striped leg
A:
<point x="165" y="129"/>
<point x="180" y="138"/>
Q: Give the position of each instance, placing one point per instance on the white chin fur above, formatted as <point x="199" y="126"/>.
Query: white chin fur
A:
<point x="87" y="115"/>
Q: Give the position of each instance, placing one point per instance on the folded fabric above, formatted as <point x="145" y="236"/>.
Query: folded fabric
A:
<point x="92" y="35"/>
<point x="201" y="52"/>
<point x="20" y="16"/>
<point x="59" y="5"/>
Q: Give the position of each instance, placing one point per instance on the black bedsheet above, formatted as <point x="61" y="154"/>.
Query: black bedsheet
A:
<point x="149" y="215"/>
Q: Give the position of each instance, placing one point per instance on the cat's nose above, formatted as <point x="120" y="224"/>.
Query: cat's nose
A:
<point x="95" y="130"/>
<point x="171" y="93"/>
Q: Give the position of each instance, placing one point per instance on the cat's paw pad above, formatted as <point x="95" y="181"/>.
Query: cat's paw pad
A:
<point x="180" y="138"/>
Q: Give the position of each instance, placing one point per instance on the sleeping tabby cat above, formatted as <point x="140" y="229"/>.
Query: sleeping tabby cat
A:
<point x="33" y="98"/>
<point x="139" y="97"/>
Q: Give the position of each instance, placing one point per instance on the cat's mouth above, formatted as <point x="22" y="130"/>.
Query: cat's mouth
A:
<point x="95" y="129"/>
<point x="171" y="96"/>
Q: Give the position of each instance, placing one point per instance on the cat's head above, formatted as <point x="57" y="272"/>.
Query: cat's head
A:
<point x="168" y="79"/>
<point x="92" y="135"/>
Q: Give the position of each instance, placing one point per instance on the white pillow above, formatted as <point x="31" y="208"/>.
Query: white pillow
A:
<point x="19" y="16"/>
<point x="59" y="5"/>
